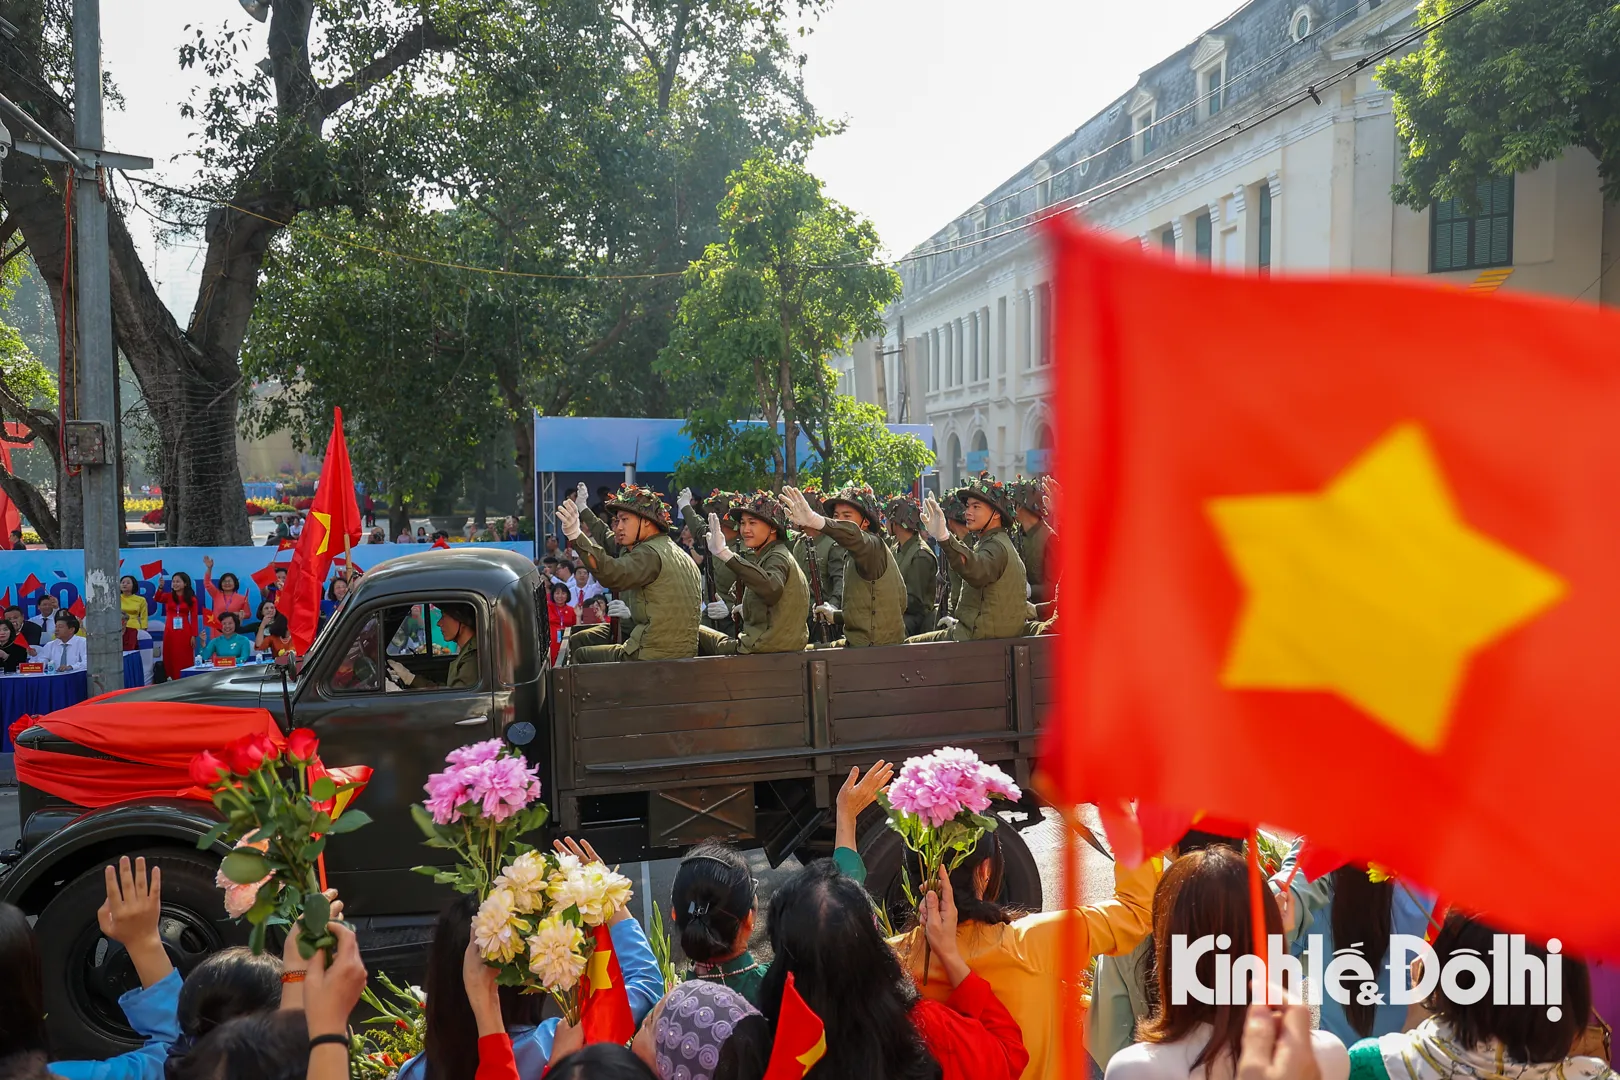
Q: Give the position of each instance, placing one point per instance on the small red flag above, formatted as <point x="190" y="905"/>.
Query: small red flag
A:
<point x="801" y="1037"/>
<point x="1390" y="548"/>
<point x="30" y="587"/>
<point x="77" y="607"/>
<point x="604" y="1003"/>
<point x="266" y="577"/>
<point x="152" y="569"/>
<point x="333" y="523"/>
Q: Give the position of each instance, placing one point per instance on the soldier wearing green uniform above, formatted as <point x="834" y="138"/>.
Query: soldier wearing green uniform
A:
<point x="1037" y="543"/>
<point x="993" y="579"/>
<point x="956" y="522"/>
<point x="658" y="582"/>
<point x="776" y="598"/>
<point x="721" y="591"/>
<point x="919" y="569"/>
<point x="874" y="611"/>
<point x="821" y="562"/>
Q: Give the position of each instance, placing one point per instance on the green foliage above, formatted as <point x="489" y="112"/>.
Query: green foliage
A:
<point x="1503" y="88"/>
<point x="663" y="944"/>
<point x="395" y="1034"/>
<point x="865" y="451"/>
<point x="795" y="281"/>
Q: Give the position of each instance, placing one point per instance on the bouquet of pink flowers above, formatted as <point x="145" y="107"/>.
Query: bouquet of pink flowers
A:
<point x="486" y="797"/>
<point x="937" y="804"/>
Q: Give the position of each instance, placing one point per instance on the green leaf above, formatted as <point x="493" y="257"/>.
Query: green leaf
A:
<point x="350" y="821"/>
<point x="424" y="821"/>
<point x="321" y="823"/>
<point x="312" y="850"/>
<point x="264" y="905"/>
<point x="323" y="789"/>
<point x="317" y="911"/>
<point x="244" y="866"/>
<point x="211" y="837"/>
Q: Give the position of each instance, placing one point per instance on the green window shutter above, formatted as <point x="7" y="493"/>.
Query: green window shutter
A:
<point x="1264" y="210"/>
<point x="1464" y="241"/>
<point x="1167" y="240"/>
<point x="1202" y="238"/>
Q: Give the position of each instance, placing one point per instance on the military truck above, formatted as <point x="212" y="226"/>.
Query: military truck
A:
<point x="641" y="759"/>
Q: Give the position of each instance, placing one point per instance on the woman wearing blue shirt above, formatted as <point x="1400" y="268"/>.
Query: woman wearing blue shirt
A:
<point x="228" y="643"/>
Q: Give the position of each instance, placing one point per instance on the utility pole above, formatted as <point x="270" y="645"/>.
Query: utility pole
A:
<point x="95" y="435"/>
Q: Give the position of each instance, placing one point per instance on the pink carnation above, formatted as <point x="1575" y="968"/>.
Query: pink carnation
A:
<point x="941" y="785"/>
<point x="477" y="753"/>
<point x="503" y="786"/>
<point x="446" y="791"/>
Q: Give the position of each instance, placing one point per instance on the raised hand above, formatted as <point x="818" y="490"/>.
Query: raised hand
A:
<point x="130" y="914"/>
<point x="568" y="517"/>
<point x="717" y="540"/>
<point x="934" y="518"/>
<point x="938" y="915"/>
<point x="799" y="511"/>
<point x="856" y="795"/>
<point x="580" y="495"/>
<point x="684" y="498"/>
<point x="579" y="849"/>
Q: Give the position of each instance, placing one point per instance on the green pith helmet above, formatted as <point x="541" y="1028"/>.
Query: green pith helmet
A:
<point x="721" y="503"/>
<point x="906" y="512"/>
<point x="1034" y="495"/>
<point x="812" y="495"/>
<point x="954" y="510"/>
<point x="643" y="502"/>
<point x="766" y="506"/>
<point x="987" y="488"/>
<point x="859" y="496"/>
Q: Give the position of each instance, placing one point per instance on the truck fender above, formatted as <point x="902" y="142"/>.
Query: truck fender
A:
<point x="101" y="835"/>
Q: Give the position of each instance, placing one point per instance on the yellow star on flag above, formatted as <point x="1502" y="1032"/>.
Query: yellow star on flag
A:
<point x="1374" y="589"/>
<point x="601" y="977"/>
<point x="326" y="529"/>
<point x="814" y="1054"/>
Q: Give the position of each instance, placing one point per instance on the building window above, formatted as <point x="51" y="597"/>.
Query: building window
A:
<point x="933" y="359"/>
<point x="1142" y="125"/>
<point x="1301" y="25"/>
<point x="1463" y="241"/>
<point x="1263" y="213"/>
<point x="1167" y="240"/>
<point x="1023" y="329"/>
<point x="1214" y="87"/>
<point x="1043" y="297"/>
<point x="973" y="349"/>
<point x="1203" y="238"/>
<point x="1001" y="336"/>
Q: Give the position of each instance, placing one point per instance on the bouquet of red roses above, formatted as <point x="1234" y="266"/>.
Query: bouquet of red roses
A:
<point x="280" y="804"/>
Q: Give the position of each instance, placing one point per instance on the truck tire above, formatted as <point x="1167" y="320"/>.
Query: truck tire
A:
<point x="884" y="853"/>
<point x="85" y="972"/>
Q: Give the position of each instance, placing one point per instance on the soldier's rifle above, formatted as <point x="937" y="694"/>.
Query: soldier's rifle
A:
<point x="815" y="588"/>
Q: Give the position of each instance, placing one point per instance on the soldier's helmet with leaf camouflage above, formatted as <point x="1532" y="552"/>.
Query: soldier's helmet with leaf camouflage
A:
<point x="766" y="506"/>
<point x="641" y="501"/>
<point x="906" y="512"/>
<point x="988" y="489"/>
<point x="862" y="498"/>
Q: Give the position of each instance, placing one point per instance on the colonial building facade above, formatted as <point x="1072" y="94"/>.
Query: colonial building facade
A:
<point x="1307" y="190"/>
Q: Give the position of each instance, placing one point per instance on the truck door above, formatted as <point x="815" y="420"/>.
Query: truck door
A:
<point x="394" y="691"/>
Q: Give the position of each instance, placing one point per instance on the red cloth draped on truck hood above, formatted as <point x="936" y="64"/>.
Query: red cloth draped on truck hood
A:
<point x="150" y="745"/>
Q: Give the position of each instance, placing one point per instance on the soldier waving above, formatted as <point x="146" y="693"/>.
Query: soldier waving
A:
<point x="776" y="598"/>
<point x="993" y="601"/>
<point x="874" y="608"/>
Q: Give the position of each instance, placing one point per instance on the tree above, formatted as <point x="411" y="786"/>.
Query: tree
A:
<point x="1503" y="88"/>
<point x="28" y="398"/>
<point x="795" y="281"/>
<point x="867" y="452"/>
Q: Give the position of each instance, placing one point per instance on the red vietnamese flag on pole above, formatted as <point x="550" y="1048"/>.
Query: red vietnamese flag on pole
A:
<point x="801" y="1037"/>
<point x="604" y="1001"/>
<point x="1346" y="564"/>
<point x="332" y="522"/>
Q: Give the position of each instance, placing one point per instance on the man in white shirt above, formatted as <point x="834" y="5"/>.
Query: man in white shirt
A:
<point x="582" y="587"/>
<point x="46" y="619"/>
<point x="65" y="650"/>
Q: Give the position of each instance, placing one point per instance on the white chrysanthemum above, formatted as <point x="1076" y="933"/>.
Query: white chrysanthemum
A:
<point x="564" y="865"/>
<point x="526" y="880"/>
<point x="497" y="928"/>
<point x="601" y="893"/>
<point x="572" y="889"/>
<point x="557" y="953"/>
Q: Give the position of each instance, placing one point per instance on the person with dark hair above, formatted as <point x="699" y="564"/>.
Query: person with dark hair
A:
<point x="560" y="616"/>
<point x="458" y="622"/>
<point x="29" y="1065"/>
<point x="1352" y="911"/>
<point x="274" y="636"/>
<point x="1018" y="954"/>
<point x="66" y="649"/>
<point x="180" y="613"/>
<point x="258" y="1046"/>
<point x="873" y="608"/>
<point x="713" y="896"/>
<point x="1205" y="894"/>
<point x="704" y="1031"/>
<point x="1483" y="1038"/>
<point x="823" y="931"/>
<point x="227" y="595"/>
<point x="775" y="596"/>
<point x="28" y="632"/>
<point x="230" y="642"/>
<point x="22" y="991"/>
<point x="12" y="651"/>
<point x="132" y="609"/>
<point x="453" y="1040"/>
<point x="337" y="590"/>
<point x="601" y="1061"/>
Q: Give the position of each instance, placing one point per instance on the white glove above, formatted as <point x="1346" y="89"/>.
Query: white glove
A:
<point x="580" y="495"/>
<point x="934" y="518"/>
<point x="736" y="614"/>
<point x="717" y="540"/>
<point x="399" y="671"/>
<point x="684" y="498"/>
<point x="826" y="613"/>
<point x="568" y="516"/>
<point x="717" y="610"/>
<point x="946" y="622"/>
<point x="799" y="511"/>
<point x="618" y="609"/>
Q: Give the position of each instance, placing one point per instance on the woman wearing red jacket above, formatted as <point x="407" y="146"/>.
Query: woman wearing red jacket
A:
<point x="559" y="616"/>
<point x="877" y="1026"/>
<point x="180" y="612"/>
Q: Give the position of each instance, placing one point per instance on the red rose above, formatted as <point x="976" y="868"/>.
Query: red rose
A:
<point x="205" y="769"/>
<point x="249" y="752"/>
<point x="302" y="744"/>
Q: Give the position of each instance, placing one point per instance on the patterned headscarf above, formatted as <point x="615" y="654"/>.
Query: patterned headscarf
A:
<point x="697" y="1019"/>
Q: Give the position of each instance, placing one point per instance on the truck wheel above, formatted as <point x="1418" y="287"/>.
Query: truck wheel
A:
<point x="86" y="972"/>
<point x="884" y="854"/>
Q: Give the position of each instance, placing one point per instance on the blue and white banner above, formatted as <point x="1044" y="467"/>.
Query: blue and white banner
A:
<point x="25" y="576"/>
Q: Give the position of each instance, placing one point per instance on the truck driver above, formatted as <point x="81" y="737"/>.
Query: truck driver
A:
<point x="874" y="610"/>
<point x="993" y="578"/>
<point x="458" y="624"/>
<point x="661" y="586"/>
<point x="776" y="597"/>
<point x="918" y="567"/>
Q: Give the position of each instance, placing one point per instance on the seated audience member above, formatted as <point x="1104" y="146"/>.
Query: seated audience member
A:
<point x="559" y="616"/>
<point x="336" y="592"/>
<point x="227" y="595"/>
<point x="28" y="631"/>
<point x="273" y="636"/>
<point x="823" y="931"/>
<point x="230" y="643"/>
<point x="1205" y="894"/>
<point x="581" y="587"/>
<point x="12" y="651"/>
<point x="594" y="611"/>
<point x="66" y="650"/>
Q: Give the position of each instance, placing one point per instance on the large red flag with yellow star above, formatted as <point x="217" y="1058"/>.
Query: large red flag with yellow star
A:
<point x="801" y="1037"/>
<point x="604" y="1001"/>
<point x="332" y="524"/>
<point x="1341" y="556"/>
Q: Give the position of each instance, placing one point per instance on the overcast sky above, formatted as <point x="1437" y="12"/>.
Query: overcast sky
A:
<point x="943" y="99"/>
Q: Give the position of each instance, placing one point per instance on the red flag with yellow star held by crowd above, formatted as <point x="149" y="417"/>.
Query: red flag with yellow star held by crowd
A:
<point x="604" y="1001"/>
<point x="1342" y="558"/>
<point x="331" y="527"/>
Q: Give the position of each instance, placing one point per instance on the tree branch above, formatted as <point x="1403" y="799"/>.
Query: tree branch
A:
<point x="652" y="57"/>
<point x="420" y="39"/>
<point x="33" y="506"/>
